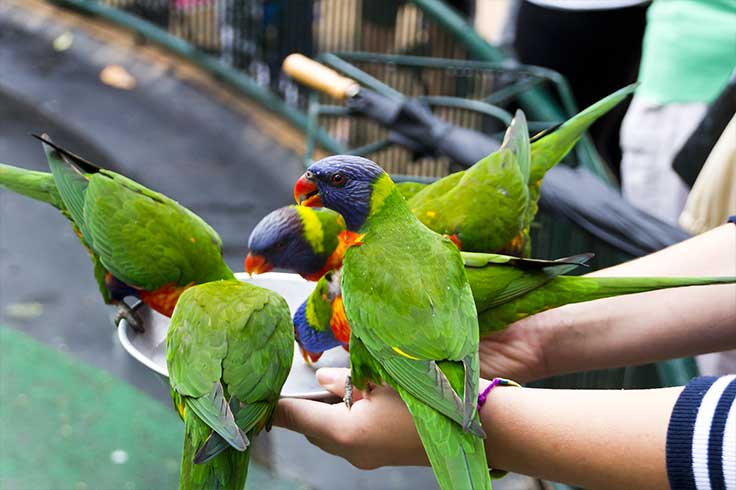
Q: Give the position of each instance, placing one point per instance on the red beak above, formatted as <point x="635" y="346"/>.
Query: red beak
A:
<point x="306" y="191"/>
<point x="256" y="264"/>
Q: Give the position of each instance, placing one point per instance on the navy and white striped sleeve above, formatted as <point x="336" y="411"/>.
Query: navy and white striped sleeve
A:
<point x="701" y="437"/>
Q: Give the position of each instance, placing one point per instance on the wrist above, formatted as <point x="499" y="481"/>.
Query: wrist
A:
<point x="547" y="332"/>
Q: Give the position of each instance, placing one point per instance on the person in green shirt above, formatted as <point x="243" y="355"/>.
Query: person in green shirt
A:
<point x="689" y="53"/>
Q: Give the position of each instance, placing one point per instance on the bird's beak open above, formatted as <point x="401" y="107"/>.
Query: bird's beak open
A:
<point x="256" y="264"/>
<point x="306" y="191"/>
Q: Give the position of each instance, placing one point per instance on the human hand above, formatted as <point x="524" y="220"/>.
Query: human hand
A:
<point x="377" y="431"/>
<point x="518" y="352"/>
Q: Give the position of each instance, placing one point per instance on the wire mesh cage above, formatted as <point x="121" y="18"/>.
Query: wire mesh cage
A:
<point x="256" y="35"/>
<point x="470" y="94"/>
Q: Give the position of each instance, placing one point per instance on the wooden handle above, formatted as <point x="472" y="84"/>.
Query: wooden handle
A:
<point x="319" y="77"/>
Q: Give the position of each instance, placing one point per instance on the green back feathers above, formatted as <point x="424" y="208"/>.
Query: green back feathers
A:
<point x="484" y="206"/>
<point x="229" y="350"/>
<point x="143" y="238"/>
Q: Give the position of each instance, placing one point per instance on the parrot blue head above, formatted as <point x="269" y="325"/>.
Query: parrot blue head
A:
<point x="312" y="342"/>
<point x="279" y="240"/>
<point x="344" y="183"/>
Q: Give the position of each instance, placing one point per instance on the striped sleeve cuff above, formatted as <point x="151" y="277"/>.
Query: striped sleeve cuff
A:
<point x="701" y="437"/>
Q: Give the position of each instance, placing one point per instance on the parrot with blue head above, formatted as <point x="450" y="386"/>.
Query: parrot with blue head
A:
<point x="410" y="308"/>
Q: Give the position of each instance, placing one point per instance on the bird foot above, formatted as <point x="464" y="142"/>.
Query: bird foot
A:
<point x="348" y="398"/>
<point x="130" y="315"/>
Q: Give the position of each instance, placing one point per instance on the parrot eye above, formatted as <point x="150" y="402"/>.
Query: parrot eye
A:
<point x="308" y="175"/>
<point x="337" y="179"/>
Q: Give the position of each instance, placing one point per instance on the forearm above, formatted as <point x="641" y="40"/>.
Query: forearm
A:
<point x="639" y="328"/>
<point x="596" y="439"/>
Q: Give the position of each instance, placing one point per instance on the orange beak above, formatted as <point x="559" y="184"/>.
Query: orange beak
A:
<point x="256" y="264"/>
<point x="306" y="191"/>
<point x="309" y="357"/>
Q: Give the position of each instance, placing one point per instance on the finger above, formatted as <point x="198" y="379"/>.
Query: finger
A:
<point x="311" y="418"/>
<point x="333" y="380"/>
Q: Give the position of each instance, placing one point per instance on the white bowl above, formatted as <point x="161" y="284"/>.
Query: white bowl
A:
<point x="149" y="348"/>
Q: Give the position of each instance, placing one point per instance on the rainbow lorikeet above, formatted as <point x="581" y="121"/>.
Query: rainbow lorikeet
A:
<point x="411" y="311"/>
<point x="319" y="322"/>
<point x="308" y="241"/>
<point x="505" y="289"/>
<point x="490" y="206"/>
<point x="142" y="243"/>
<point x="228" y="350"/>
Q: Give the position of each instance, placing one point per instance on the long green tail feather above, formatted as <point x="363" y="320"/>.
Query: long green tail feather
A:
<point x="458" y="458"/>
<point x="36" y="185"/>
<point x="227" y="471"/>
<point x="552" y="147"/>
<point x="565" y="290"/>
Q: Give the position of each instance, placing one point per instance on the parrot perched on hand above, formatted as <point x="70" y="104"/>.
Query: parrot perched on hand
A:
<point x="308" y="241"/>
<point x="411" y="311"/>
<point x="142" y="243"/>
<point x="490" y="206"/>
<point x="228" y="351"/>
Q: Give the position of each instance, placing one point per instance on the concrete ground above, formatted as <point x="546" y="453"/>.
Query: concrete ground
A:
<point x="107" y="421"/>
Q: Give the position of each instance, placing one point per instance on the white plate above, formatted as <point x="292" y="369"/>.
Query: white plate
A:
<point x="149" y="348"/>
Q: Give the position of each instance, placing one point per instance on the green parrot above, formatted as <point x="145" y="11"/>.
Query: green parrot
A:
<point x="142" y="243"/>
<point x="505" y="289"/>
<point x="228" y="350"/>
<point x="411" y="311"/>
<point x="490" y="206"/>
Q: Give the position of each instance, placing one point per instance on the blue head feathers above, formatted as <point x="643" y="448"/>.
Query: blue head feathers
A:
<point x="310" y="339"/>
<point x="279" y="239"/>
<point x="345" y="185"/>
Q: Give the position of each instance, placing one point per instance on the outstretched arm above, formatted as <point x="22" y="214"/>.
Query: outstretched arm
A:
<point x="600" y="439"/>
<point x="631" y="329"/>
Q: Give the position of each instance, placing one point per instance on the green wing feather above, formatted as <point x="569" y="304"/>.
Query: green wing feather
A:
<point x="516" y="140"/>
<point x="549" y="147"/>
<point x="214" y="410"/>
<point x="142" y="237"/>
<point x="498" y="282"/>
<point x="459" y="204"/>
<point x="247" y="418"/>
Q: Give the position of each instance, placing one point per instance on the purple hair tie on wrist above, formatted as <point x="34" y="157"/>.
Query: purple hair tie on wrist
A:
<point x="494" y="382"/>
